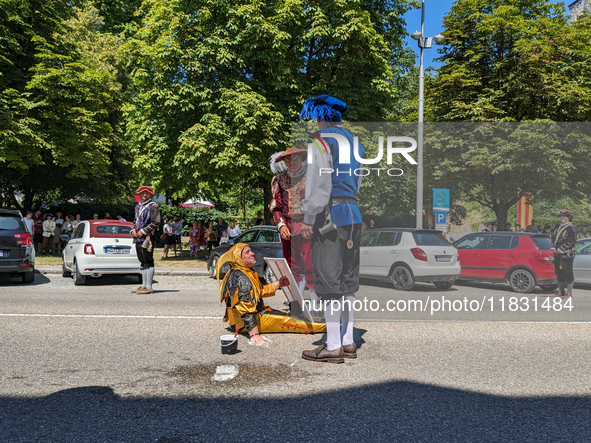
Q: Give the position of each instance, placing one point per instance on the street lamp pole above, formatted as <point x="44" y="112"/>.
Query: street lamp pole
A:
<point x="424" y="43"/>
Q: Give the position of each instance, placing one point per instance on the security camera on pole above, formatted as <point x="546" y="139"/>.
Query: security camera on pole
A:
<point x="424" y="43"/>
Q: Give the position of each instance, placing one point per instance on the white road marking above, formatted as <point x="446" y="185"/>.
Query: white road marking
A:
<point x="190" y="317"/>
<point x="225" y="373"/>
<point x="204" y="317"/>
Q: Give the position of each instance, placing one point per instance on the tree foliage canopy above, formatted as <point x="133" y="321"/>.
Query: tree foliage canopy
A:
<point x="60" y="97"/>
<point x="218" y="83"/>
<point x="511" y="61"/>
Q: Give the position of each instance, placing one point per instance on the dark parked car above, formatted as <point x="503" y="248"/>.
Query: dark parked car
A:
<point x="17" y="252"/>
<point x="264" y="242"/>
<point x="518" y="258"/>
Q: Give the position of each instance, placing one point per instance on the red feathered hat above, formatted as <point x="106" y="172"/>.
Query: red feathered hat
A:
<point x="147" y="189"/>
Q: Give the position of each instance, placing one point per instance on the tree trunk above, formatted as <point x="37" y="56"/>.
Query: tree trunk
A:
<point x="501" y="210"/>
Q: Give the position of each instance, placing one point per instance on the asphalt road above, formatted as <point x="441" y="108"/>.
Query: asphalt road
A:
<point x="97" y="363"/>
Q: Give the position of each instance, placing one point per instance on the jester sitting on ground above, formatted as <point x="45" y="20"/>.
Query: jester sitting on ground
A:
<point x="243" y="292"/>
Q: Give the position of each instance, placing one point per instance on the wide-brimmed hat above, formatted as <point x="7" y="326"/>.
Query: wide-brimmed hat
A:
<point x="290" y="152"/>
<point x="147" y="189"/>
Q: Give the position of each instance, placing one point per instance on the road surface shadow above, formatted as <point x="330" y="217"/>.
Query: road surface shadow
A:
<point x="393" y="411"/>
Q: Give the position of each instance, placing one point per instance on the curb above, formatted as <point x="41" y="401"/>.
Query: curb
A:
<point x="166" y="271"/>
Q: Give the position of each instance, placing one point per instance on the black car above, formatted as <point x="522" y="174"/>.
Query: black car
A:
<point x="264" y="242"/>
<point x="17" y="252"/>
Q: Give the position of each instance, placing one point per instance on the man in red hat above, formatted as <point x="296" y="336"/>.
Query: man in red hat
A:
<point x="564" y="238"/>
<point x="147" y="221"/>
<point x="288" y="189"/>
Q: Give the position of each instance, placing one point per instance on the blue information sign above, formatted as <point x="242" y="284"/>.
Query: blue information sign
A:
<point x="440" y="200"/>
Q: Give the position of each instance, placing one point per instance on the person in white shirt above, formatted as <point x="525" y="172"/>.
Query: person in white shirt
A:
<point x="167" y="237"/>
<point x="58" y="219"/>
<point x="177" y="228"/>
<point x="29" y="222"/>
<point x="233" y="231"/>
<point x="224" y="238"/>
<point x="48" y="232"/>
<point x="120" y="218"/>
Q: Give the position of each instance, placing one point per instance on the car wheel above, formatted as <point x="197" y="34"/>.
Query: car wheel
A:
<point x="443" y="284"/>
<point x="549" y="288"/>
<point x="65" y="272"/>
<point x="269" y="276"/>
<point x="212" y="266"/>
<point x="521" y="280"/>
<point x="78" y="279"/>
<point x="402" y="278"/>
<point x="29" y="277"/>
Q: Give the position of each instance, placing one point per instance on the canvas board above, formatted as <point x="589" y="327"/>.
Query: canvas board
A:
<point x="280" y="268"/>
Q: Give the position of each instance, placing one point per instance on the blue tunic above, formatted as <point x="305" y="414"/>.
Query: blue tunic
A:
<point x="345" y="184"/>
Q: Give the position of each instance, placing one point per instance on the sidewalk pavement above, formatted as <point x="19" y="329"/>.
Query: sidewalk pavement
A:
<point x="46" y="269"/>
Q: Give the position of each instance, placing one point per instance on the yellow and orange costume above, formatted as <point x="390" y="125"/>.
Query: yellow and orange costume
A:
<point x="243" y="292"/>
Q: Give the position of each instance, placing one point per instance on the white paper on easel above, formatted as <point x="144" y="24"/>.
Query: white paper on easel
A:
<point x="280" y="268"/>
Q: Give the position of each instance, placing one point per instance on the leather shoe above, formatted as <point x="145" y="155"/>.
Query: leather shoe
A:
<point x="350" y="351"/>
<point x="138" y="289"/>
<point x="145" y="291"/>
<point x="324" y="355"/>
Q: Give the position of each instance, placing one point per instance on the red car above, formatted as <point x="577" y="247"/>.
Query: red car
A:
<point x="518" y="258"/>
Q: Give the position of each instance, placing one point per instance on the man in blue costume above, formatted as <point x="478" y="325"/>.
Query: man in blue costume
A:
<point x="332" y="220"/>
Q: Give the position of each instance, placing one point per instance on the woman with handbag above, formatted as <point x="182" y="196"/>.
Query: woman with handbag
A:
<point x="48" y="232"/>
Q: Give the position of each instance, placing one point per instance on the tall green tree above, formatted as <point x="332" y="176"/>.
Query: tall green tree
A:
<point x="60" y="94"/>
<point x="511" y="61"/>
<point x="218" y="84"/>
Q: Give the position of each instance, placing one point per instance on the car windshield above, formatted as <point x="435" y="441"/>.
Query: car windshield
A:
<point x="543" y="243"/>
<point x="247" y="237"/>
<point x="430" y="239"/>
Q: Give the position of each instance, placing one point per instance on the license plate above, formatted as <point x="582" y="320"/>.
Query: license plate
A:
<point x="443" y="258"/>
<point x="4" y="253"/>
<point x="117" y="251"/>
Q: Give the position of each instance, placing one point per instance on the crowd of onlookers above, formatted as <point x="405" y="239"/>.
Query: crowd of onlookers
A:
<point x="47" y="229"/>
<point x="533" y="228"/>
<point x="200" y="237"/>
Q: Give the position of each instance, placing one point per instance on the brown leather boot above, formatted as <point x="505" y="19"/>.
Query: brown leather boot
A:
<point x="324" y="355"/>
<point x="350" y="351"/>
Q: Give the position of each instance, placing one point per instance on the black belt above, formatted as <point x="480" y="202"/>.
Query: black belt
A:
<point x="340" y="200"/>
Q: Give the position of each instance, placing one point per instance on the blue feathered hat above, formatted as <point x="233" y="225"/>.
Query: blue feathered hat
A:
<point x="328" y="108"/>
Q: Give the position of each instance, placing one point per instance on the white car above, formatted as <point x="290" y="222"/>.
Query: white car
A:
<point x="407" y="256"/>
<point x="582" y="262"/>
<point x="99" y="247"/>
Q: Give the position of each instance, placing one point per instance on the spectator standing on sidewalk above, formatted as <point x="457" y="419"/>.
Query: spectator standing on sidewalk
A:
<point x="48" y="231"/>
<point x="583" y="233"/>
<point x="147" y="221"/>
<point x="564" y="238"/>
<point x="194" y="240"/>
<point x="211" y="236"/>
<point x="166" y="237"/>
<point x="30" y="222"/>
<point x="38" y="230"/>
<point x="221" y="226"/>
<point x="233" y="230"/>
<point x="533" y="228"/>
<point x="57" y="241"/>
<point x="76" y="222"/>
<point x="260" y="220"/>
<point x="177" y="229"/>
